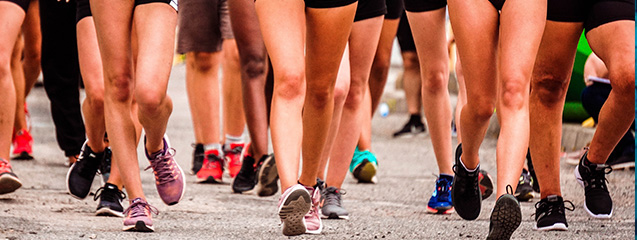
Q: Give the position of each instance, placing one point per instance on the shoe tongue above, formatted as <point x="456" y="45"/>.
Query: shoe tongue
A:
<point x="136" y="200"/>
<point x="599" y="167"/>
<point x="111" y="186"/>
<point x="553" y="198"/>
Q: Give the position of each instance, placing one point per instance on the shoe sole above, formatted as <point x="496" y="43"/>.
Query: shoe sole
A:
<point x="578" y="177"/>
<point x="554" y="227"/>
<point x="107" y="212"/>
<point x="524" y="196"/>
<point x="9" y="184"/>
<point x="22" y="156"/>
<point x="292" y="212"/>
<point x="623" y="166"/>
<point x="209" y="179"/>
<point x="335" y="216"/>
<point x="440" y="210"/>
<point x="139" y="226"/>
<point x="365" y="172"/>
<point x="505" y="218"/>
<point x="268" y="175"/>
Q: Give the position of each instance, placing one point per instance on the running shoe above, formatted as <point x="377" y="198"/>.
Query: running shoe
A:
<point x="105" y="165"/>
<point x="331" y="204"/>
<point x="486" y="184"/>
<point x="80" y="176"/>
<point x="465" y="190"/>
<point x="524" y="191"/>
<point x="9" y="182"/>
<point x="22" y="145"/>
<point x="169" y="177"/>
<point x="197" y="158"/>
<point x="506" y="216"/>
<point x="550" y="213"/>
<point x="267" y="175"/>
<point x="138" y="216"/>
<point x="363" y="166"/>
<point x="312" y="219"/>
<point x="592" y="177"/>
<point x="413" y="126"/>
<point x="110" y="201"/>
<point x="294" y="203"/>
<point x="234" y="153"/>
<point x="212" y="168"/>
<point x="246" y="178"/>
<point x="440" y="201"/>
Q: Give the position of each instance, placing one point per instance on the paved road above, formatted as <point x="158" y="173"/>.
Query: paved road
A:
<point x="392" y="209"/>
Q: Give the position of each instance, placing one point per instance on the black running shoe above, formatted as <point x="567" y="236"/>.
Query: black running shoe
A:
<point x="592" y="177"/>
<point x="246" y="178"/>
<point x="81" y="174"/>
<point x="524" y="191"/>
<point x="506" y="216"/>
<point x="110" y="201"/>
<point x="197" y="158"/>
<point x="413" y="126"/>
<point x="268" y="176"/>
<point x="105" y="165"/>
<point x="550" y="214"/>
<point x="465" y="192"/>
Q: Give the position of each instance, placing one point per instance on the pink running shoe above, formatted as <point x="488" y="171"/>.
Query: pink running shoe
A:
<point x="138" y="216"/>
<point x="22" y="145"/>
<point x="234" y="156"/>
<point x="312" y="219"/>
<point x="293" y="205"/>
<point x="169" y="177"/>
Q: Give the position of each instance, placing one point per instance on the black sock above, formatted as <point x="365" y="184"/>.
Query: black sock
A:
<point x="415" y="119"/>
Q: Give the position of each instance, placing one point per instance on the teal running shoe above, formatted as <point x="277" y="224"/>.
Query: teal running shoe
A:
<point x="363" y="166"/>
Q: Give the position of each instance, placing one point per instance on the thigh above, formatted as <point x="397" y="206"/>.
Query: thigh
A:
<point x="199" y="26"/>
<point x="429" y="33"/>
<point x="617" y="51"/>
<point x="155" y="25"/>
<point x="363" y="44"/>
<point x="11" y="17"/>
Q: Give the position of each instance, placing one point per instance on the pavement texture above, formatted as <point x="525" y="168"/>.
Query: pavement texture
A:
<point x="395" y="208"/>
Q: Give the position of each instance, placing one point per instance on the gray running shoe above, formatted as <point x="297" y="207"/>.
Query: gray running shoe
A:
<point x="331" y="204"/>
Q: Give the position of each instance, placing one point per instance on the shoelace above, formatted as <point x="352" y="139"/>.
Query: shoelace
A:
<point x="137" y="208"/>
<point x="551" y="208"/>
<point x="109" y="197"/>
<point x="334" y="197"/>
<point x="474" y="185"/>
<point x="597" y="177"/>
<point x="212" y="159"/>
<point x="85" y="167"/>
<point x="4" y="163"/>
<point x="509" y="189"/>
<point x="162" y="167"/>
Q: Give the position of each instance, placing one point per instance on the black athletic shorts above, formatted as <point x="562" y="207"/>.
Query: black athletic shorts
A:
<point x="83" y="10"/>
<point x="172" y="3"/>
<point x="405" y="39"/>
<point x="593" y="13"/>
<point x="24" y="4"/>
<point x="395" y="8"/>
<point x="328" y="3"/>
<point x="424" y="5"/>
<point x="367" y="9"/>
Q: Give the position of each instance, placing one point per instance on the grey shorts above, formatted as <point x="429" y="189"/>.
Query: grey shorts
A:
<point x="203" y="25"/>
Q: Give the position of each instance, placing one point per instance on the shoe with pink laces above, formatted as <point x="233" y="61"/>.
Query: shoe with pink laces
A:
<point x="294" y="204"/>
<point x="138" y="216"/>
<point x="169" y="177"/>
<point x="312" y="219"/>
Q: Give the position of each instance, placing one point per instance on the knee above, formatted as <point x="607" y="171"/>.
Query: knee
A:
<point x="149" y="101"/>
<point x="482" y="108"/>
<point x="32" y="57"/>
<point x="290" y="85"/>
<point x="356" y="94"/>
<point x="550" y="89"/>
<point x="5" y="66"/>
<point x="434" y="81"/>
<point x="121" y="87"/>
<point x="623" y="81"/>
<point x="202" y="61"/>
<point x="513" y="91"/>
<point x="95" y="97"/>
<point x="341" y="93"/>
<point x="253" y="65"/>
<point x="410" y="62"/>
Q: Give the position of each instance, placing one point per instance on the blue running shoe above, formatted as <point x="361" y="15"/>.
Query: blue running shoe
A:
<point x="363" y="166"/>
<point x="440" y="201"/>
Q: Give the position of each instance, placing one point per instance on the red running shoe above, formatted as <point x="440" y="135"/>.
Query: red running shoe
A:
<point x="22" y="145"/>
<point x="9" y="182"/>
<point x="234" y="156"/>
<point x="212" y="169"/>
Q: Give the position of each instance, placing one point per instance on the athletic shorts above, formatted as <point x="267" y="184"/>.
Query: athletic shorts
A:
<point x="367" y="9"/>
<point x="24" y="4"/>
<point x="172" y="3"/>
<point x="328" y="3"/>
<point x="395" y="9"/>
<point x="203" y="25"/>
<point x="405" y="39"/>
<point x="84" y="7"/>
<point x="424" y="5"/>
<point x="593" y="13"/>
